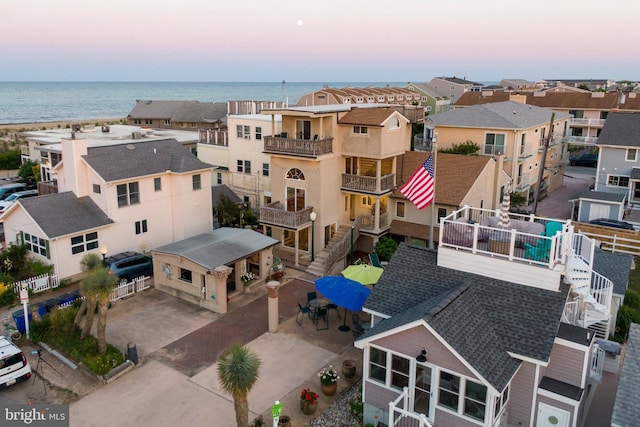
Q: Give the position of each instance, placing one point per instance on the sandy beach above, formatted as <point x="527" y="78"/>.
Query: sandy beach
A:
<point x="22" y="127"/>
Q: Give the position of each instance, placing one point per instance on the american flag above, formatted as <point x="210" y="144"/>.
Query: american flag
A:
<point x="420" y="188"/>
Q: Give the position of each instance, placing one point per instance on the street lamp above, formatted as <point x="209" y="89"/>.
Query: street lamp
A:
<point x="353" y="227"/>
<point x="312" y="217"/>
<point x="103" y="251"/>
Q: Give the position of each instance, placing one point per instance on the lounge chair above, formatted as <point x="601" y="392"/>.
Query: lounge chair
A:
<point x="374" y="260"/>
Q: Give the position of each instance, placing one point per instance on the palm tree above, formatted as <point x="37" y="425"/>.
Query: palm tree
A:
<point x="237" y="372"/>
<point x="102" y="282"/>
<point x="88" y="263"/>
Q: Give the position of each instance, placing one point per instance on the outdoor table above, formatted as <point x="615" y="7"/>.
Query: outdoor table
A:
<point x="319" y="303"/>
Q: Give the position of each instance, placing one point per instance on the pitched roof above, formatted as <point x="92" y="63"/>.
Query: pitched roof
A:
<point x="367" y="116"/>
<point x="621" y="129"/>
<point x="455" y="174"/>
<point x="425" y="88"/>
<point x="497" y="115"/>
<point x="149" y="109"/>
<point x="60" y="214"/>
<point x="459" y="81"/>
<point x="608" y="101"/>
<point x="601" y="196"/>
<point x="223" y="190"/>
<point x="124" y="161"/>
<point x="626" y="411"/>
<point x="180" y="111"/>
<point x="219" y="247"/>
<point x="615" y="267"/>
<point x="481" y="318"/>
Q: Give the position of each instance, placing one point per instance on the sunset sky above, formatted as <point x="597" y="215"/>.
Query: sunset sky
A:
<point x="328" y="40"/>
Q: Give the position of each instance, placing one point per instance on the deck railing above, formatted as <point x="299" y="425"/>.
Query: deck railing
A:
<point x="274" y="213"/>
<point x="298" y="147"/>
<point x="369" y="184"/>
<point x="401" y="416"/>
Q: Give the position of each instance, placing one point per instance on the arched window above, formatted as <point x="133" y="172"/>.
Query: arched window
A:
<point x="295" y="173"/>
<point x="296" y="194"/>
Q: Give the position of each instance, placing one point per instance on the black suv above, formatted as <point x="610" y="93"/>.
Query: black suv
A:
<point x="129" y="265"/>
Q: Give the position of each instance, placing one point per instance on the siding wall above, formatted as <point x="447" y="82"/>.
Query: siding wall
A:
<point x="521" y="395"/>
<point x="565" y="365"/>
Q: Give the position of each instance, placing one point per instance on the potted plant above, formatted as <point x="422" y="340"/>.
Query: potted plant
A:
<point x="349" y="368"/>
<point x="277" y="269"/>
<point x="246" y="279"/>
<point x="328" y="381"/>
<point x="308" y="401"/>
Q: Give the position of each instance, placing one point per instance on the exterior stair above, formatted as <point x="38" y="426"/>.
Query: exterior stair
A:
<point x="318" y="267"/>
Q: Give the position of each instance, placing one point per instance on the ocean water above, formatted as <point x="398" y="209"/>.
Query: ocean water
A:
<point x="34" y="102"/>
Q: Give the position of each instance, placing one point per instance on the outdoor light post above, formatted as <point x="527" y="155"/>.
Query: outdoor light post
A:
<point x="103" y="251"/>
<point x="313" y="217"/>
<point x="353" y="227"/>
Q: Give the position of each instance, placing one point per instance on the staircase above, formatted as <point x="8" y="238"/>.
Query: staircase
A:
<point x="319" y="266"/>
<point x="594" y="293"/>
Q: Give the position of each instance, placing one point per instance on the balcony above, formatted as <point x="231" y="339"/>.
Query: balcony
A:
<point x="491" y="150"/>
<point x="369" y="222"/>
<point x="275" y="214"/>
<point x="422" y="144"/>
<point x="584" y="123"/>
<point x="298" y="147"/>
<point x="368" y="184"/>
<point x="213" y="137"/>
<point x="580" y="140"/>
<point x="525" y="180"/>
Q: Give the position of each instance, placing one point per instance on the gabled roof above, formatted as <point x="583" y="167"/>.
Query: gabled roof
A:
<point x="219" y="247"/>
<point x="455" y="174"/>
<point x="181" y="111"/>
<point x="556" y="100"/>
<point x="223" y="190"/>
<point x="368" y="116"/>
<point x="621" y="129"/>
<point x="615" y="267"/>
<point x="626" y="411"/>
<point x="498" y="115"/>
<point x="480" y="318"/>
<point x="425" y="88"/>
<point x="602" y="196"/>
<point x="61" y="214"/>
<point x="458" y="80"/>
<point x="117" y="162"/>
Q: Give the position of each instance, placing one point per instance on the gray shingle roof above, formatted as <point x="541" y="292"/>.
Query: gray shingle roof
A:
<point x="500" y="115"/>
<point x="61" y="214"/>
<point x="600" y="195"/>
<point x="621" y="129"/>
<point x="480" y="317"/>
<point x="615" y="267"/>
<point x="124" y="161"/>
<point x="626" y="411"/>
<point x="223" y="190"/>
<point x="199" y="112"/>
<point x="219" y="247"/>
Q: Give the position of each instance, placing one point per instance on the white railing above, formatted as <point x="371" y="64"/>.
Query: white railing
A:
<point x="129" y="288"/>
<point x="587" y="122"/>
<point x="615" y="243"/>
<point x="597" y="363"/>
<point x="475" y="230"/>
<point x="37" y="283"/>
<point x="400" y="416"/>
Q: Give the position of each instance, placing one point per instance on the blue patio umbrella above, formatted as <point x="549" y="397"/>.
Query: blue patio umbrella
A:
<point x="344" y="292"/>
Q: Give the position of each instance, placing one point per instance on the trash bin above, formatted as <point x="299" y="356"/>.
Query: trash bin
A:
<point x="50" y="304"/>
<point x="65" y="298"/>
<point x="18" y="319"/>
<point x="284" y="421"/>
<point x="132" y="353"/>
<point x="39" y="308"/>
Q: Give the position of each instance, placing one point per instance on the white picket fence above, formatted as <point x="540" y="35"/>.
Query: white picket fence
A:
<point x="129" y="288"/>
<point x="37" y="283"/>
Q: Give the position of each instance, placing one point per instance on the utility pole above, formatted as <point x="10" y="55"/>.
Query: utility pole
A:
<point x="542" y="162"/>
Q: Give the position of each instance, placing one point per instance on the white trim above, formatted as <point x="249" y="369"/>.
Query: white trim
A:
<point x="571" y="344"/>
<point x="557" y="397"/>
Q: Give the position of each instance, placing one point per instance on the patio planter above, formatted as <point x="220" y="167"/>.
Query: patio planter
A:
<point x="349" y="368"/>
<point x="329" y="389"/>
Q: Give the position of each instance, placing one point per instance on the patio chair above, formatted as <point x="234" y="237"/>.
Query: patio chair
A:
<point x="539" y="251"/>
<point x="301" y="312"/>
<point x="319" y="315"/>
<point x="311" y="296"/>
<point x="334" y="307"/>
<point x="375" y="261"/>
<point x="357" y="325"/>
<point x="552" y="228"/>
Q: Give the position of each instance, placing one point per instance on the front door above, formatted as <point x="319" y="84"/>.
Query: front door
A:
<point x="550" y="416"/>
<point x="422" y="394"/>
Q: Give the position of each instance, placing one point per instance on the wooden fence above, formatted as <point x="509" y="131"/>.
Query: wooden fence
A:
<point x="612" y="239"/>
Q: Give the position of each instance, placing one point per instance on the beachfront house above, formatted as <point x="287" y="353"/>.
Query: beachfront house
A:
<point x="489" y="334"/>
<point x="113" y="198"/>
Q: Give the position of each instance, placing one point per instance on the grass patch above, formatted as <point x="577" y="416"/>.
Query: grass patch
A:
<point x="55" y="330"/>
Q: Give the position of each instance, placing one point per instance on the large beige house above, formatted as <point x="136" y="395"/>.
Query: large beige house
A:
<point x="118" y="197"/>
<point x="515" y="130"/>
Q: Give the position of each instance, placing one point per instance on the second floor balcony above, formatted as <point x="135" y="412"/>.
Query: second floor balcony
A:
<point x="368" y="184"/>
<point x="587" y="122"/>
<point x="275" y="214"/>
<point x="298" y="147"/>
<point x="580" y="140"/>
<point x="213" y="137"/>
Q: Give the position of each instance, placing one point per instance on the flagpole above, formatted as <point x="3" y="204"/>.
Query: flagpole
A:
<point x="434" y="152"/>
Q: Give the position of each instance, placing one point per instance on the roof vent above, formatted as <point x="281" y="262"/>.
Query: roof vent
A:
<point x="131" y="147"/>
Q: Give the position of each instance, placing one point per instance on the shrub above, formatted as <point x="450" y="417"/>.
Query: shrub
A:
<point x="7" y="295"/>
<point x="626" y="316"/>
<point x="632" y="299"/>
<point x="467" y="148"/>
<point x="385" y="248"/>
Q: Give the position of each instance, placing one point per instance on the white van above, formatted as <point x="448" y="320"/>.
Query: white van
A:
<point x="14" y="366"/>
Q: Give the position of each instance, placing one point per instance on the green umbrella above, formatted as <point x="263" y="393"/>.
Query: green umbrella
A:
<point x="363" y="273"/>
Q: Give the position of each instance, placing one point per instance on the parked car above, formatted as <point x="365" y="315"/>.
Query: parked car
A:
<point x="612" y="223"/>
<point x="129" y="265"/>
<point x="14" y="366"/>
<point x="7" y="189"/>
<point x="586" y="159"/>
<point x="6" y="203"/>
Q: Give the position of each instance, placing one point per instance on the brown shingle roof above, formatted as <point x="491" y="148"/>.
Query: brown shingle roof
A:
<point x="366" y="116"/>
<point x="455" y="174"/>
<point x="609" y="101"/>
